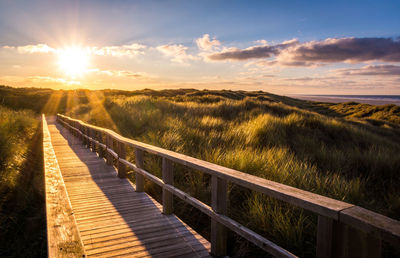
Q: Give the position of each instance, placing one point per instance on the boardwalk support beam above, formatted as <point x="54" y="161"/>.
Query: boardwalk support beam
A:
<point x="121" y="155"/>
<point x="219" y="205"/>
<point x="139" y="177"/>
<point x="168" y="178"/>
<point x="109" y="144"/>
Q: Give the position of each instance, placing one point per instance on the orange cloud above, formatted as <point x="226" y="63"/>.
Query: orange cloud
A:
<point x="30" y="49"/>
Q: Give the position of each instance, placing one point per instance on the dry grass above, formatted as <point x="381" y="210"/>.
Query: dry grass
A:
<point x="344" y="151"/>
<point x="22" y="217"/>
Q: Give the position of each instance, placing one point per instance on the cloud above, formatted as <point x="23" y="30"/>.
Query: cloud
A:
<point x="48" y="79"/>
<point x="371" y="70"/>
<point x="264" y="51"/>
<point x="204" y="43"/>
<point x="30" y="49"/>
<point x="262" y="63"/>
<point x="134" y="75"/>
<point x="177" y="52"/>
<point x="261" y="42"/>
<point x="331" y="50"/>
<point x="119" y="51"/>
<point x="116" y="51"/>
<point x="314" y="53"/>
<point x="122" y="73"/>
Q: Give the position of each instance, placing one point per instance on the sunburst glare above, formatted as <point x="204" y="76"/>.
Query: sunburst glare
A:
<point x="73" y="61"/>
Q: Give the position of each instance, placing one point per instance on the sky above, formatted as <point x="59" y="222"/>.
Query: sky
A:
<point x="282" y="47"/>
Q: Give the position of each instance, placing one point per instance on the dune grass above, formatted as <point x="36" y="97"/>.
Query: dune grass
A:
<point x="22" y="215"/>
<point x="344" y="151"/>
<point x="339" y="156"/>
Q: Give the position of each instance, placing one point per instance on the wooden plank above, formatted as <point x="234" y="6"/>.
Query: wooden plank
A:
<point x="149" y="248"/>
<point x="372" y="223"/>
<point x="139" y="164"/>
<point x="130" y="211"/>
<point x="95" y="235"/>
<point x="62" y="234"/>
<point x="127" y="238"/>
<point x="109" y="143"/>
<point x="120" y="217"/>
<point x="122" y="155"/>
<point x="351" y="242"/>
<point x="135" y="220"/>
<point x="102" y="204"/>
<point x="326" y="237"/>
<point x="219" y="205"/>
<point x="168" y="178"/>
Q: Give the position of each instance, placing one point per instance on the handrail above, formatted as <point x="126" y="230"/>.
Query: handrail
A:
<point x="339" y="223"/>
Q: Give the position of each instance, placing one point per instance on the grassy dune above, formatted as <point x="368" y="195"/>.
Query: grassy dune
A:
<point x="339" y="155"/>
<point x="22" y="215"/>
<point x="345" y="151"/>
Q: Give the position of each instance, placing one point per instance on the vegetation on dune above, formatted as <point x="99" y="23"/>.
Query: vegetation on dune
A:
<point x="344" y="151"/>
<point x="337" y="156"/>
<point x="22" y="216"/>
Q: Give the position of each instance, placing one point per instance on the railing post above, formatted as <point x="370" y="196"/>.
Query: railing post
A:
<point x="168" y="178"/>
<point x="337" y="240"/>
<point x="139" y="164"/>
<point x="93" y="135"/>
<point x="101" y="150"/>
<point x="109" y="143"/>
<point x="219" y="205"/>
<point x="88" y="144"/>
<point x="83" y="137"/>
<point x="326" y="237"/>
<point x="122" y="155"/>
<point x="74" y="132"/>
<point x="82" y="128"/>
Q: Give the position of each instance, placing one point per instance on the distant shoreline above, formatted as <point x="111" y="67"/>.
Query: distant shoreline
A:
<point x="366" y="99"/>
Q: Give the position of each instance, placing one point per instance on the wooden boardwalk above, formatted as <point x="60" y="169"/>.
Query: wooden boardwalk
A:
<point x="90" y="210"/>
<point x="113" y="219"/>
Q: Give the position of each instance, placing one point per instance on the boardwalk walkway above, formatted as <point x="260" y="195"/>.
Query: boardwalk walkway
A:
<point x="113" y="219"/>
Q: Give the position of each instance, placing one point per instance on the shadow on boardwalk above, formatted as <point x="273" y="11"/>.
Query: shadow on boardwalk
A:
<point x="112" y="218"/>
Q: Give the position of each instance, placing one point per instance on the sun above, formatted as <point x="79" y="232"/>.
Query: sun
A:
<point x="73" y="61"/>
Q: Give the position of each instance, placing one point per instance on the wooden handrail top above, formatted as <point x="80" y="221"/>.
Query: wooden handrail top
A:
<point x="380" y="226"/>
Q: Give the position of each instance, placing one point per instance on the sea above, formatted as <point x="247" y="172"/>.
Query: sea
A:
<point x="368" y="99"/>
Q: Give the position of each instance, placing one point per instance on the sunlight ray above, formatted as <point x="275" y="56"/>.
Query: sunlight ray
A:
<point x="53" y="103"/>
<point x="98" y="112"/>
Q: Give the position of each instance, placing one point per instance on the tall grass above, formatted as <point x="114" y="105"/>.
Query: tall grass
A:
<point x="344" y="151"/>
<point x="336" y="156"/>
<point x="22" y="218"/>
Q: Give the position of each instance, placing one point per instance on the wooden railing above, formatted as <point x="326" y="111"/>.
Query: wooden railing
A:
<point x="344" y="230"/>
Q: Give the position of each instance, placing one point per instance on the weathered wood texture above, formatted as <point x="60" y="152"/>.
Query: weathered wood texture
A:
<point x="219" y="204"/>
<point x="113" y="219"/>
<point x="62" y="234"/>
